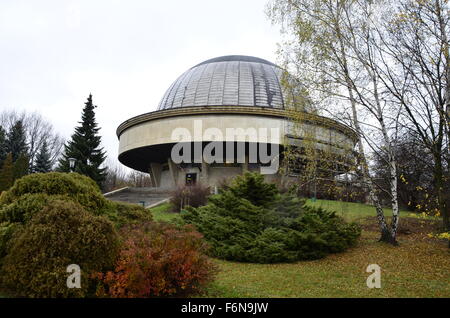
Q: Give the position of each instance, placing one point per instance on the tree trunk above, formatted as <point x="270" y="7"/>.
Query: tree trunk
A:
<point x="392" y="166"/>
<point x="441" y="195"/>
<point x="386" y="235"/>
<point x="394" y="203"/>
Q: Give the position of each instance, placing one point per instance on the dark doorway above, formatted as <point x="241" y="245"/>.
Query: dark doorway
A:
<point x="191" y="178"/>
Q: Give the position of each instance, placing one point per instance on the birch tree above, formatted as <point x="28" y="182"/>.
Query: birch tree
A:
<point x="331" y="46"/>
<point x="418" y="78"/>
<point x="364" y="39"/>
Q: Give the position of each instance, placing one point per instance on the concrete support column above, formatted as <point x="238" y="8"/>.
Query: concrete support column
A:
<point x="204" y="173"/>
<point x="155" y="173"/>
<point x="173" y="171"/>
<point x="245" y="164"/>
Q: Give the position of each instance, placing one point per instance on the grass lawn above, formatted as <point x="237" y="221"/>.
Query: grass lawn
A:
<point x="349" y="210"/>
<point x="419" y="267"/>
<point x="162" y="213"/>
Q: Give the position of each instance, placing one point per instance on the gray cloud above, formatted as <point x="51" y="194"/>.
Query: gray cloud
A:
<point x="127" y="53"/>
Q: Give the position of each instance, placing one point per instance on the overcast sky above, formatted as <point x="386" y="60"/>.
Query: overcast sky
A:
<point x="126" y="52"/>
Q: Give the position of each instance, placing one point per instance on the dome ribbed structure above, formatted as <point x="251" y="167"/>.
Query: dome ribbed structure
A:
<point x="233" y="80"/>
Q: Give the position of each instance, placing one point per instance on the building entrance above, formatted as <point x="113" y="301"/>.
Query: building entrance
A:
<point x="191" y="178"/>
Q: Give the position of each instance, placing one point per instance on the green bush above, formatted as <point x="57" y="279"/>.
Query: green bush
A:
<point x="31" y="193"/>
<point x="22" y="210"/>
<point x="7" y="230"/>
<point x="62" y="233"/>
<point x="13" y="216"/>
<point x="49" y="221"/>
<point x="252" y="187"/>
<point x="78" y="188"/>
<point x="241" y="226"/>
<point x="122" y="214"/>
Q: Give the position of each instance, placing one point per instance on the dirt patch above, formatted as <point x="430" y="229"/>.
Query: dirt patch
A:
<point x="406" y="226"/>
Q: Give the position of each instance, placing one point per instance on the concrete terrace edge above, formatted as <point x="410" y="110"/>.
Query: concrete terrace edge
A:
<point x="115" y="191"/>
<point x="243" y="110"/>
<point x="157" y="203"/>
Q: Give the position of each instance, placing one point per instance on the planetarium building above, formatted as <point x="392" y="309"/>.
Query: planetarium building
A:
<point x="220" y="118"/>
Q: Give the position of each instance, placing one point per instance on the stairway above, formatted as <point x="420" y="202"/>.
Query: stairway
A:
<point x="143" y="196"/>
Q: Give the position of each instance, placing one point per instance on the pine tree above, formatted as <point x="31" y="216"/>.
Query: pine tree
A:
<point x="21" y="166"/>
<point x="6" y="173"/>
<point x="3" y="147"/>
<point x="16" y="141"/>
<point x="84" y="147"/>
<point x="43" y="163"/>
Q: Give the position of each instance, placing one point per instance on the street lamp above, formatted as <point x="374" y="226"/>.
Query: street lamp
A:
<point x="72" y="164"/>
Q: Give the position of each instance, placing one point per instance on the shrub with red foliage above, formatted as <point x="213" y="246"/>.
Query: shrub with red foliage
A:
<point x="159" y="260"/>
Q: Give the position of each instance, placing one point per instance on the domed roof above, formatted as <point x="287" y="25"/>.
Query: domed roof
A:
<point x="233" y="80"/>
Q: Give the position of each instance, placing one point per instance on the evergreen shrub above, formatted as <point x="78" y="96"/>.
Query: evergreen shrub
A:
<point x="251" y="221"/>
<point x="62" y="233"/>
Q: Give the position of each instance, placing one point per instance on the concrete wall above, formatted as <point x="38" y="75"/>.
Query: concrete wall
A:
<point x="159" y="131"/>
<point x="215" y="175"/>
<point x="166" y="180"/>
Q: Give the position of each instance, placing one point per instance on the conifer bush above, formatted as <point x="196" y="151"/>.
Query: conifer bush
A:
<point x="251" y="221"/>
<point x="30" y="193"/>
<point x="49" y="221"/>
<point x="76" y="187"/>
<point x="122" y="214"/>
<point x="62" y="233"/>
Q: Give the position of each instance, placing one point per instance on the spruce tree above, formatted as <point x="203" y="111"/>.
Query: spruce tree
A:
<point x="16" y="141"/>
<point x="3" y="147"/>
<point x="6" y="173"/>
<point x="21" y="166"/>
<point x="84" y="147"/>
<point x="42" y="162"/>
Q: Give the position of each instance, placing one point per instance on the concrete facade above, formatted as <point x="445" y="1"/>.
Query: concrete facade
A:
<point x="231" y="100"/>
<point x="159" y="131"/>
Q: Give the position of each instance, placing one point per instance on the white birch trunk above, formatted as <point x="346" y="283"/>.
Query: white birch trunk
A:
<point x="391" y="162"/>
<point x="367" y="181"/>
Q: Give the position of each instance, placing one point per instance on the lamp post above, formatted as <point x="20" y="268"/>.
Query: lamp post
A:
<point x="72" y="164"/>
